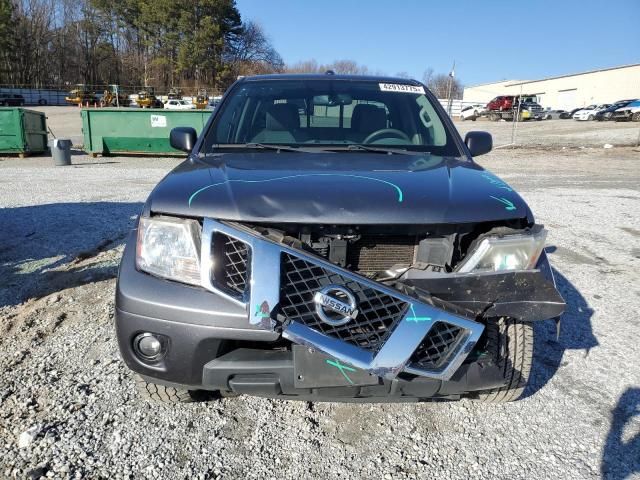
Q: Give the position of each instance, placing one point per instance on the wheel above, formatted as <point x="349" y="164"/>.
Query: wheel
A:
<point x="42" y="101"/>
<point x="510" y="342"/>
<point x="635" y="117"/>
<point x="590" y="117"/>
<point x="462" y="119"/>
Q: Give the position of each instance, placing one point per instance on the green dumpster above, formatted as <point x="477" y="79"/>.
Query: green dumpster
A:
<point x="22" y="131"/>
<point x="123" y="130"/>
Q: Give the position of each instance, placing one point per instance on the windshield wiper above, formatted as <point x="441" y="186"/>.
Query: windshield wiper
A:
<point x="268" y="146"/>
<point x="389" y="151"/>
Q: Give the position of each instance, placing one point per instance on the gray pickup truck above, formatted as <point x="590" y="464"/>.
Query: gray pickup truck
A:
<point x="331" y="238"/>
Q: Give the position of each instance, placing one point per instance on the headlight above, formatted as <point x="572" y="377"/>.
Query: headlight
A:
<point x="510" y="252"/>
<point x="169" y="248"/>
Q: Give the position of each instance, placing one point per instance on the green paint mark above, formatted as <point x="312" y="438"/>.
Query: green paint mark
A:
<point x="497" y="182"/>
<point x="397" y="188"/>
<point x="262" y="310"/>
<point x="417" y="319"/>
<point x="342" y="367"/>
<point x="508" y="205"/>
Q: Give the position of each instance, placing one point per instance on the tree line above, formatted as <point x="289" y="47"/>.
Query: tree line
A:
<point x="188" y="44"/>
<point x="441" y="84"/>
<point x="163" y="43"/>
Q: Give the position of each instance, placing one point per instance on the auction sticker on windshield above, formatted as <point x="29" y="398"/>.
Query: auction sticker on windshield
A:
<point x="400" y="87"/>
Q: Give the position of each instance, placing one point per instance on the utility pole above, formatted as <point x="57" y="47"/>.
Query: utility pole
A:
<point x="452" y="75"/>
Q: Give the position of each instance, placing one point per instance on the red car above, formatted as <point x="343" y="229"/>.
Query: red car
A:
<point x="501" y="103"/>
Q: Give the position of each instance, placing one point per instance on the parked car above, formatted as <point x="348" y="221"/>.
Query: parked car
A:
<point x="550" y="114"/>
<point x="628" y="112"/>
<point x="178" y="104"/>
<point x="505" y="107"/>
<point x="343" y="255"/>
<point x="605" y="115"/>
<point x="568" y="115"/>
<point x="213" y="103"/>
<point x="471" y="112"/>
<point x="501" y="103"/>
<point x="11" y="100"/>
<point x="590" y="112"/>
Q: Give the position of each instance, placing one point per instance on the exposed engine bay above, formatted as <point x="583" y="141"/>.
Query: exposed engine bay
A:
<point x="426" y="261"/>
<point x="385" y="253"/>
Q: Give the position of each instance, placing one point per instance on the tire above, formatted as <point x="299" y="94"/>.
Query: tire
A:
<point x="162" y="394"/>
<point x="510" y="342"/>
<point x="635" y="117"/>
<point x="42" y="102"/>
<point x="590" y="117"/>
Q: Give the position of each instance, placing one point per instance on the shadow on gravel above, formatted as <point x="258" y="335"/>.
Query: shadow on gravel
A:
<point x="34" y="240"/>
<point x="576" y="333"/>
<point x="621" y="455"/>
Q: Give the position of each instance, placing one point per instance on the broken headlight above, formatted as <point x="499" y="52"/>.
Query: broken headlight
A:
<point x="169" y="248"/>
<point x="508" y="252"/>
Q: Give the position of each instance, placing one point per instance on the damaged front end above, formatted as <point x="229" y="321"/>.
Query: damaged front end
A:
<point x="394" y="303"/>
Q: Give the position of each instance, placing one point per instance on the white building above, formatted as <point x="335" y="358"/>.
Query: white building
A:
<point x="567" y="91"/>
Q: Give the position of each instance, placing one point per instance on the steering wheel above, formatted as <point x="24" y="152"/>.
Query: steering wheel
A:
<point x="386" y="132"/>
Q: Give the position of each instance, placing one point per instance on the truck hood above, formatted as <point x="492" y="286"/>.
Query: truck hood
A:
<point x="336" y="188"/>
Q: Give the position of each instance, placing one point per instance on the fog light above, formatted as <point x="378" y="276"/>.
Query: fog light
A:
<point x="148" y="346"/>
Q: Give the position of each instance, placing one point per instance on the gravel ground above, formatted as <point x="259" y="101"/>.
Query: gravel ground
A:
<point x="558" y="133"/>
<point x="68" y="408"/>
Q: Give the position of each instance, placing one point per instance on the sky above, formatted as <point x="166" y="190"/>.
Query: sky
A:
<point x="489" y="40"/>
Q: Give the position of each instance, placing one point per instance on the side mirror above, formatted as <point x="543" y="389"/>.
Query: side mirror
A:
<point x="183" y="138"/>
<point x="478" y="143"/>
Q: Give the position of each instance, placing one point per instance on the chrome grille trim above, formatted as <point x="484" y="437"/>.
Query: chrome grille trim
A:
<point x="391" y="358"/>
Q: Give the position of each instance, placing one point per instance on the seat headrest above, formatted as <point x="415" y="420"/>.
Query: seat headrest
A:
<point x="282" y="117"/>
<point x="368" y="118"/>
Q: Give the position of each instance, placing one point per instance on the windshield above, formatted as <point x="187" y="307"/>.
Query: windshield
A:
<point x="334" y="113"/>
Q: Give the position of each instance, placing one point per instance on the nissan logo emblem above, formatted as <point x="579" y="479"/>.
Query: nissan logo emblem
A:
<point x="335" y="305"/>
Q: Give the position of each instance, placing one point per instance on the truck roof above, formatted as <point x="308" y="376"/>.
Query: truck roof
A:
<point x="333" y="76"/>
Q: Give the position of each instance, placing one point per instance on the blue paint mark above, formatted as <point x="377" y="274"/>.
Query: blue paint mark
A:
<point x="417" y="319"/>
<point x="398" y="189"/>
<point x="497" y="182"/>
<point x="342" y="367"/>
<point x="508" y="205"/>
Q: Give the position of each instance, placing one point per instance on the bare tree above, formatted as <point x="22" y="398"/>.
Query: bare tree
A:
<point x="440" y="84"/>
<point x="427" y="76"/>
<point x="344" y="67"/>
<point x="306" y="66"/>
<point x="347" y="67"/>
<point x="252" y="53"/>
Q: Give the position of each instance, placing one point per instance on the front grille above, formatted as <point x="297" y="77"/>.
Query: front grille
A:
<point x="378" y="313"/>
<point x="436" y="346"/>
<point x="377" y="253"/>
<point x="231" y="259"/>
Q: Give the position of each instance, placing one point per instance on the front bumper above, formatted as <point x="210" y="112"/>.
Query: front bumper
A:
<point x="207" y="328"/>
